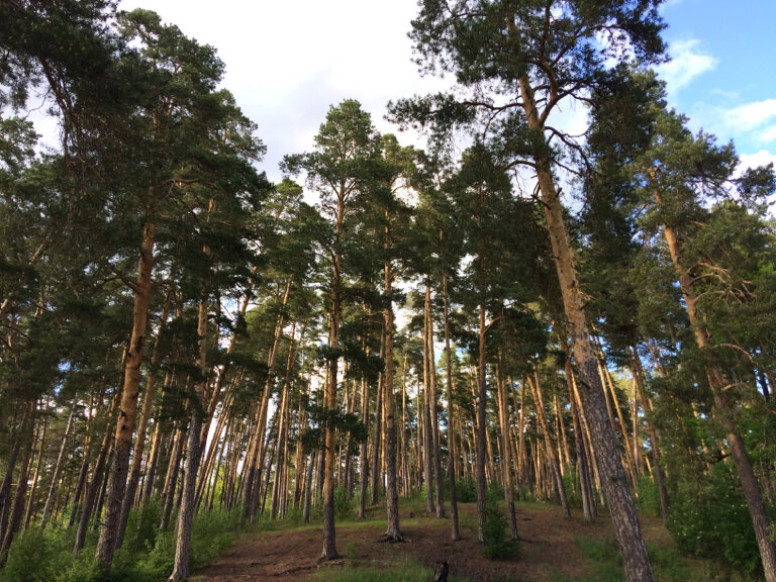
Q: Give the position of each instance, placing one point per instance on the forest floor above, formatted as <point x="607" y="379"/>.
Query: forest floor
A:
<point x="548" y="551"/>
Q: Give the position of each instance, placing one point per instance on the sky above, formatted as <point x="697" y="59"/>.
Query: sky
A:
<point x="288" y="61"/>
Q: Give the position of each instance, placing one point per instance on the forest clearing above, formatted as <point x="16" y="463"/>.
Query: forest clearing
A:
<point x="551" y="549"/>
<point x="546" y="340"/>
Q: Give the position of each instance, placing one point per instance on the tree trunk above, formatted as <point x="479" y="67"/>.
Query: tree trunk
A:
<point x="638" y="377"/>
<point x="16" y="513"/>
<point x="181" y="565"/>
<point x="47" y="507"/>
<point x="626" y="524"/>
<point x="393" y="533"/>
<point x="428" y="438"/>
<point x="552" y="457"/>
<point x="438" y="475"/>
<point x="589" y="510"/>
<point x="171" y="478"/>
<point x="106" y="545"/>
<point x="145" y="415"/>
<point x="375" y="471"/>
<point x="481" y="428"/>
<point x="329" y="550"/>
<point x="92" y="491"/>
<point x="455" y="533"/>
<point x="36" y="476"/>
<point x="507" y="455"/>
<point x="364" y="458"/>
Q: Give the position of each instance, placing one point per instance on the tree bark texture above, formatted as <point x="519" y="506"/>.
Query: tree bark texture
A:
<point x="630" y="539"/>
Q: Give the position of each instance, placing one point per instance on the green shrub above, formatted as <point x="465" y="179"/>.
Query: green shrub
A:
<point x="648" y="499"/>
<point x="710" y="519"/>
<point x="343" y="504"/>
<point x="573" y="490"/>
<point x="143" y="526"/>
<point x="465" y="491"/>
<point x="36" y="555"/>
<point x="498" y="544"/>
<point x="605" y="556"/>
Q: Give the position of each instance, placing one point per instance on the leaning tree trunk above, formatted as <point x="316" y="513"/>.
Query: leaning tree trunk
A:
<point x="723" y="410"/>
<point x="125" y="426"/>
<point x="630" y="539"/>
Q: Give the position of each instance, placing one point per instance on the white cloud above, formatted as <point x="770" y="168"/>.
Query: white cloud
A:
<point x="761" y="158"/>
<point x="687" y="62"/>
<point x="768" y="135"/>
<point x="753" y="115"/>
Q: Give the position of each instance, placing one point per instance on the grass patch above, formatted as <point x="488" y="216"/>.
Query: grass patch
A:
<point x="667" y="562"/>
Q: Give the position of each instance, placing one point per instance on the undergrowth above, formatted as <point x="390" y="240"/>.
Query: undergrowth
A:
<point x="46" y="555"/>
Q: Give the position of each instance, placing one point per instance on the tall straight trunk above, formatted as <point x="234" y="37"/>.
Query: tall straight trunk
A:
<point x="36" y="476"/>
<point x="589" y="510"/>
<point x="428" y="438"/>
<point x="481" y="428"/>
<point x="5" y="486"/>
<point x="125" y="426"/>
<point x="16" y="513"/>
<point x="151" y="463"/>
<point x="724" y="406"/>
<point x="375" y="472"/>
<point x="308" y="488"/>
<point x="606" y="379"/>
<point x="87" y="507"/>
<point x="347" y="471"/>
<point x="405" y="463"/>
<point x="280" y="472"/>
<point x="503" y="415"/>
<point x="145" y="414"/>
<point x="364" y="457"/>
<point x="552" y="457"/>
<point x="638" y="378"/>
<point x="329" y="550"/>
<point x="79" y="489"/>
<point x="630" y="539"/>
<point x="217" y="446"/>
<point x="48" y="506"/>
<point x="256" y="450"/>
<point x="455" y="533"/>
<point x="181" y="563"/>
<point x="393" y="533"/>
<point x="562" y="440"/>
<point x="438" y="475"/>
<point x="171" y="478"/>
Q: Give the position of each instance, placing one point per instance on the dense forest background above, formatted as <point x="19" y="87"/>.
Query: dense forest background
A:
<point x="509" y="312"/>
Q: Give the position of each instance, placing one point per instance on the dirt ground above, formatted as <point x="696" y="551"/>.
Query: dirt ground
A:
<point x="547" y="548"/>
